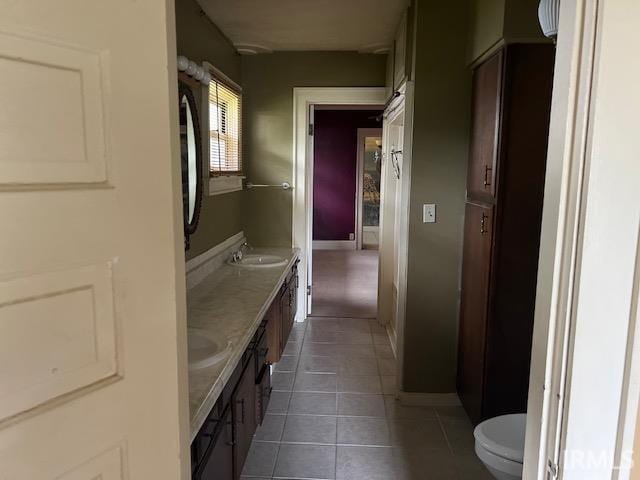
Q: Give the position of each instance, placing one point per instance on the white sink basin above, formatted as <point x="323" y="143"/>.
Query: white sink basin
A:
<point x="205" y="351"/>
<point x="260" y="261"/>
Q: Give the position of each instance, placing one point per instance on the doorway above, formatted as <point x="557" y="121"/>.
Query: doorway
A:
<point x="346" y="203"/>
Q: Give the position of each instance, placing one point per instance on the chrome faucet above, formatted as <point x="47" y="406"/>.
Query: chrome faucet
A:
<point x="238" y="254"/>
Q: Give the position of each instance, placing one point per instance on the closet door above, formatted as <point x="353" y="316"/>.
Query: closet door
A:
<point x="473" y="311"/>
<point x="485" y="123"/>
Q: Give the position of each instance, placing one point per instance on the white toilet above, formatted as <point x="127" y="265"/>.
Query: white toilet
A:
<point x="500" y="445"/>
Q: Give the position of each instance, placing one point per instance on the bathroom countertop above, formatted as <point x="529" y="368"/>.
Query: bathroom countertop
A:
<point x="230" y="303"/>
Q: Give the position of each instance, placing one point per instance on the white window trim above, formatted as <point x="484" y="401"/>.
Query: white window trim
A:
<point x="225" y="184"/>
<point x="220" y="184"/>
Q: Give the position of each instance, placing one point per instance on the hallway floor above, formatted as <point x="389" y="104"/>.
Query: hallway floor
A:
<point x="345" y="283"/>
<point x="333" y="414"/>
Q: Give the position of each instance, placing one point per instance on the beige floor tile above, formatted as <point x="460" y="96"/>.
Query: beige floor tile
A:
<point x="359" y="384"/>
<point x="313" y="403"/>
<point x="306" y="461"/>
<point x="261" y="459"/>
<point x="363" y="431"/>
<point x="279" y="402"/>
<point x="317" y="364"/>
<point x="426" y="434"/>
<point x="282" y="381"/>
<point x="310" y="429"/>
<point x="387" y="366"/>
<point x="287" y="363"/>
<point x="351" y="365"/>
<point x="395" y="409"/>
<point x="364" y="463"/>
<point x="271" y="428"/>
<point x="389" y="384"/>
<point x="315" y="382"/>
<point x="361" y="405"/>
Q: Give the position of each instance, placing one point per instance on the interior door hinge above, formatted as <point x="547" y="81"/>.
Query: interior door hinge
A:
<point x="552" y="470"/>
<point x="308" y="290"/>
<point x="311" y="129"/>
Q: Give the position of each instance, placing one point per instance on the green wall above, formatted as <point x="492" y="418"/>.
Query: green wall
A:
<point x="438" y="175"/>
<point x="268" y="82"/>
<point x="200" y="40"/>
<point x="468" y="28"/>
<point x="493" y="21"/>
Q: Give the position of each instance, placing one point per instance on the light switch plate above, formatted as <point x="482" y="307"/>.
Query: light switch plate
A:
<point x="429" y="213"/>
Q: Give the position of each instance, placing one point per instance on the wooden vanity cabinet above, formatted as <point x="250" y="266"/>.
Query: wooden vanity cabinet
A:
<point x="281" y="316"/>
<point x="507" y="160"/>
<point x="221" y="447"/>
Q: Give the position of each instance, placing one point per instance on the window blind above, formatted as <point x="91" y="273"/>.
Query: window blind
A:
<point x="225" y="113"/>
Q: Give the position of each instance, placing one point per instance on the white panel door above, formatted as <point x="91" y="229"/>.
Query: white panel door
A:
<point x="92" y="314"/>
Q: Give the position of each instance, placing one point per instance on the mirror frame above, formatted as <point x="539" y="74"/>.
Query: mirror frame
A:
<point x="190" y="226"/>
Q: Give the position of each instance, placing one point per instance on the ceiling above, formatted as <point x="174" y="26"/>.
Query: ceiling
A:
<point x="256" y="26"/>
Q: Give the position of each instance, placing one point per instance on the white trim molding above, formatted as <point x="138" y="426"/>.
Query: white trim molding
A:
<point x="225" y="184"/>
<point x="334" y="244"/>
<point x="303" y="99"/>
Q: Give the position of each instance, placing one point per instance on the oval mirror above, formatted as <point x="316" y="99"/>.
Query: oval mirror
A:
<point x="191" y="161"/>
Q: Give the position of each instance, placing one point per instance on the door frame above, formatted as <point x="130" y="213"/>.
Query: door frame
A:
<point x="567" y="379"/>
<point x="303" y="100"/>
<point x="362" y="134"/>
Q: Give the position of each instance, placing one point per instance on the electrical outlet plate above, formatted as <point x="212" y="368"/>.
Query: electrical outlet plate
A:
<point x="429" y="213"/>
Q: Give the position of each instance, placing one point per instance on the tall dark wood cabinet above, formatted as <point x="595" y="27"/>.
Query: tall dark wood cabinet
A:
<point x="510" y="126"/>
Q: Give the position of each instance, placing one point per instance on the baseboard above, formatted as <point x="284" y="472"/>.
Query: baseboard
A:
<point x="204" y="264"/>
<point x="429" y="399"/>
<point x="334" y="244"/>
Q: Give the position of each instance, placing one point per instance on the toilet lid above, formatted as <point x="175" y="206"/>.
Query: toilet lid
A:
<point x="503" y="436"/>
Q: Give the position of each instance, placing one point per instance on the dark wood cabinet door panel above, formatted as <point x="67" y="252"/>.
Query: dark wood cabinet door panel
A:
<point x="219" y="464"/>
<point x="485" y="123"/>
<point x="476" y="266"/>
<point x="274" y="326"/>
<point x="244" y="417"/>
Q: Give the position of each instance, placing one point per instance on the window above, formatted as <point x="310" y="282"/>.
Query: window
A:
<point x="225" y="103"/>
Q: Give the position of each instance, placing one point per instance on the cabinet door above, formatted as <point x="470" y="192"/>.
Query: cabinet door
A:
<point x="473" y="310"/>
<point x="485" y="124"/>
<point x="285" y="314"/>
<point x="219" y="464"/>
<point x="244" y="416"/>
<point x="274" y="325"/>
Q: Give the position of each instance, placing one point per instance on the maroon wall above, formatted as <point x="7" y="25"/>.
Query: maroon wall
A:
<point x="334" y="170"/>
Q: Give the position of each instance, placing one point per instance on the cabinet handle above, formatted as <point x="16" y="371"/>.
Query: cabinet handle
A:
<point x="241" y="402"/>
<point x="229" y="434"/>
<point x="487" y="177"/>
<point x="483" y="224"/>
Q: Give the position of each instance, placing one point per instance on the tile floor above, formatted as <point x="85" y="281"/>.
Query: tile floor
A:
<point x="345" y="283"/>
<point x="333" y="415"/>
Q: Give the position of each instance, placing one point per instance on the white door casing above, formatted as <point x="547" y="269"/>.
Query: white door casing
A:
<point x="93" y="375"/>
<point x="303" y="99"/>
<point x="582" y="366"/>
